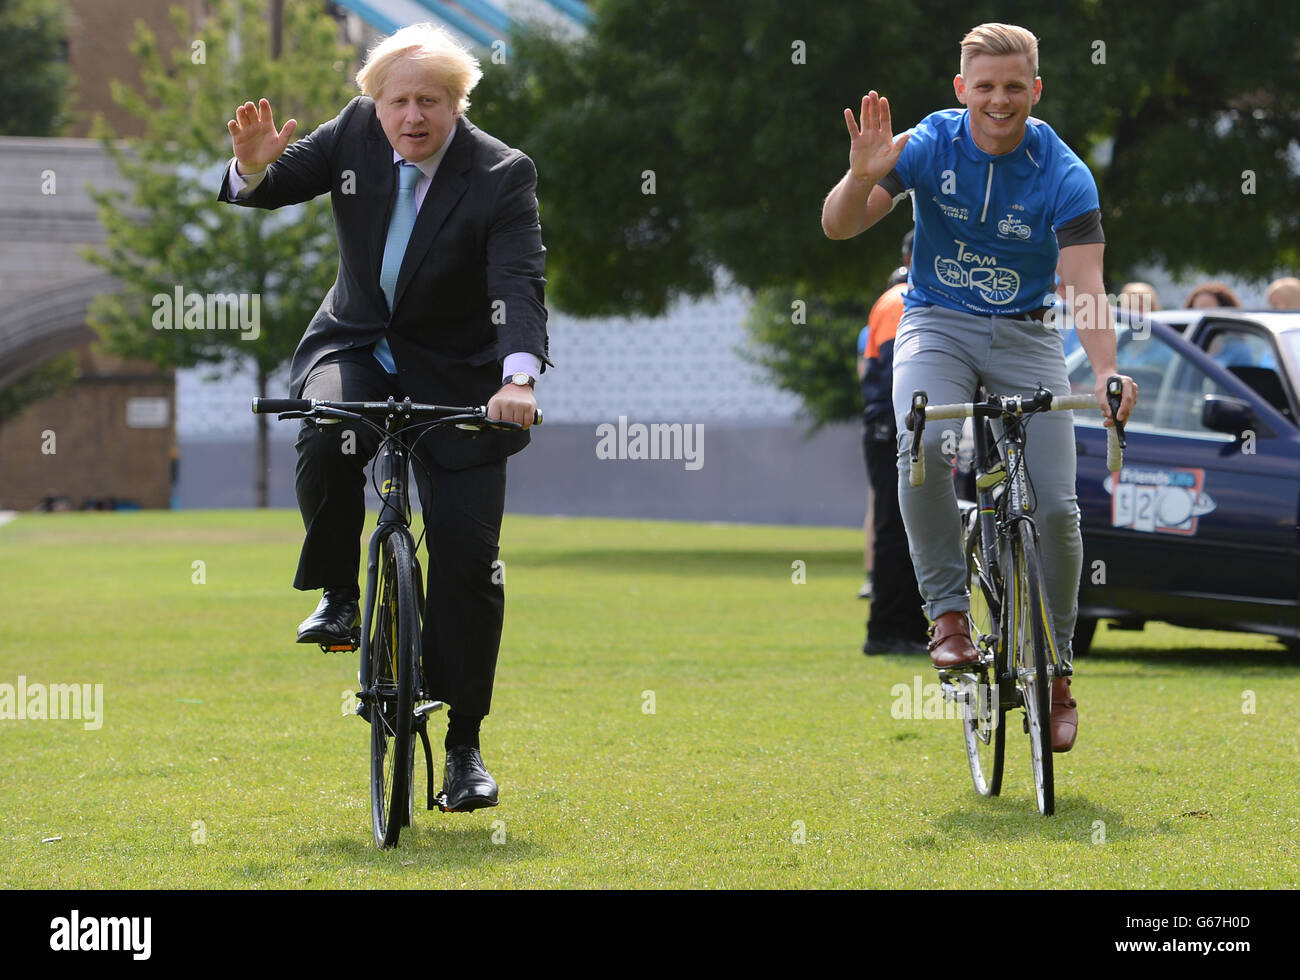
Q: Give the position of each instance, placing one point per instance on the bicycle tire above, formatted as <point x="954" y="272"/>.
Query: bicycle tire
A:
<point x="983" y="722"/>
<point x="1027" y="631"/>
<point x="393" y="650"/>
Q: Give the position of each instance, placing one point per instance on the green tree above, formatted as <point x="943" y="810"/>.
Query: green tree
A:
<point x="35" y="95"/>
<point x="173" y="234"/>
<point x="45" y="381"/>
<point x="35" y="84"/>
<point x="807" y="341"/>
<point x="736" y="107"/>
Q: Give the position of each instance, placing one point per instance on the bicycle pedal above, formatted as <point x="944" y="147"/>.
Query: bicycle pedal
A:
<point x="337" y="647"/>
<point x="440" y="800"/>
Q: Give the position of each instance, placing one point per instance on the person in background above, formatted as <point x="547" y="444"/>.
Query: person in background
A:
<point x="868" y="535"/>
<point x="1139" y="298"/>
<point x="1284" y="293"/>
<point x="899" y="275"/>
<point x="896" y="623"/>
<point x="1210" y="295"/>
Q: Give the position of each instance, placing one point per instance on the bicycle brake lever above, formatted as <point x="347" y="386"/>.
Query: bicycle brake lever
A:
<point x="915" y="422"/>
<point x="1114" y="396"/>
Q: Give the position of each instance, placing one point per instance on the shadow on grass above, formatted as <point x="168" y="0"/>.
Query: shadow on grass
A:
<point x="700" y="562"/>
<point x="436" y="845"/>
<point x="1014" y="817"/>
<point x="1207" y="656"/>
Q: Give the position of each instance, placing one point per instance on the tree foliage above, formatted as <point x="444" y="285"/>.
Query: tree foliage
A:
<point x="809" y="346"/>
<point x="35" y="83"/>
<point x="45" y="381"/>
<point x="173" y="234"/>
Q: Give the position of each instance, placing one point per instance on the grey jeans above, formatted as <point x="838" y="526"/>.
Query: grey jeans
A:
<point x="948" y="355"/>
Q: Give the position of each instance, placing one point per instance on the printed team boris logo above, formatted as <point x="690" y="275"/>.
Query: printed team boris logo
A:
<point x="996" y="285"/>
<point x="1011" y="226"/>
<point x="1158" y="501"/>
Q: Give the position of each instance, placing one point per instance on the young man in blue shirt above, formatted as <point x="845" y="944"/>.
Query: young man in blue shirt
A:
<point x="998" y="199"/>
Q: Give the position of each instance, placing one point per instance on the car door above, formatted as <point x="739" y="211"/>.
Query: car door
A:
<point x="1249" y="351"/>
<point x="1199" y="526"/>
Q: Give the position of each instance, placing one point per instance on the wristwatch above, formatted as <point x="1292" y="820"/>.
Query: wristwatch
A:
<point x="519" y="378"/>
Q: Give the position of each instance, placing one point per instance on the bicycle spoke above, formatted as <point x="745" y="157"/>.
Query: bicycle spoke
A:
<point x="1032" y="639"/>
<point x="983" y="731"/>
<point x="394" y="654"/>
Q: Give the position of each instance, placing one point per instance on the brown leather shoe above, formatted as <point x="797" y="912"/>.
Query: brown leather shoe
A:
<point x="950" y="644"/>
<point x="1065" y="717"/>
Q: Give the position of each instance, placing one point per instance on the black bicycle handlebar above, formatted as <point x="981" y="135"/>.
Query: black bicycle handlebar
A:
<point x="308" y="406"/>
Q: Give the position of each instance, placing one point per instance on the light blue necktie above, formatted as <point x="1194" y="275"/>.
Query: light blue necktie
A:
<point x="399" y="234"/>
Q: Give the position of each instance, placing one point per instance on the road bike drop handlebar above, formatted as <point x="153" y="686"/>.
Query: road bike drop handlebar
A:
<point x="468" y="417"/>
<point x="996" y="406"/>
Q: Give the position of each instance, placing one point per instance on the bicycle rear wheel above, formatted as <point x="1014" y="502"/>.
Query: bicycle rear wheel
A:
<point x="1027" y="631"/>
<point x="393" y="652"/>
<point x="983" y="715"/>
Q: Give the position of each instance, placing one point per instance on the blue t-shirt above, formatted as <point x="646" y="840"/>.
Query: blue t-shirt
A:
<point x="986" y="225"/>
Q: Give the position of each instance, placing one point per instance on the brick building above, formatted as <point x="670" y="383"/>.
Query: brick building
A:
<point x="107" y="441"/>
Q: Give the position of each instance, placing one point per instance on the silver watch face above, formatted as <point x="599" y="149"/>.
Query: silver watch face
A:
<point x="520" y="378"/>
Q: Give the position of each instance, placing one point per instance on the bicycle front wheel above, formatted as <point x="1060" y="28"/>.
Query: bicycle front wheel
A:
<point x="393" y="653"/>
<point x="982" y="713"/>
<point x="1027" y="632"/>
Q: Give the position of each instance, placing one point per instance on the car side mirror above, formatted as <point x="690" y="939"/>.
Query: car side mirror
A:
<point x="1223" y="413"/>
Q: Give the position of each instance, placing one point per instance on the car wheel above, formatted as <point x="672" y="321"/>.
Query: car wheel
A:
<point x="1084" y="630"/>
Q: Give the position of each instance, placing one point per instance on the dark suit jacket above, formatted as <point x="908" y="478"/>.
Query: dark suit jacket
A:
<point x="470" y="290"/>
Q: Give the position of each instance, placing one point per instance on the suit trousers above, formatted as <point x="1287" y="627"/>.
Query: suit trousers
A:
<point x="465" y="595"/>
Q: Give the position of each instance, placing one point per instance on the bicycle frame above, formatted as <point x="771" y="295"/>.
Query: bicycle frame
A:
<point x="1000" y="513"/>
<point x="1007" y="558"/>
<point x="393" y="467"/>
<point x="393" y="471"/>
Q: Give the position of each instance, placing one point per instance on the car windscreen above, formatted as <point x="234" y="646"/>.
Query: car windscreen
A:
<point x="1171" y="386"/>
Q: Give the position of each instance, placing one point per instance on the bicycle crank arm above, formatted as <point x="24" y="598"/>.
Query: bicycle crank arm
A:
<point x="428" y="759"/>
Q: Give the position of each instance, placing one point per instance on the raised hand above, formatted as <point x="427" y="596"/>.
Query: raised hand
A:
<point x="873" y="151"/>
<point x="252" y="133"/>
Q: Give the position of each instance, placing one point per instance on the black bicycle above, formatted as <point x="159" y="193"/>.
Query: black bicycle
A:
<point x="392" y="690"/>
<point x="1010" y="619"/>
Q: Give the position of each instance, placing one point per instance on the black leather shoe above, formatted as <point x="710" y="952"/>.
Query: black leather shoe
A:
<point x="893" y="643"/>
<point x="335" y="621"/>
<point x="466" y="783"/>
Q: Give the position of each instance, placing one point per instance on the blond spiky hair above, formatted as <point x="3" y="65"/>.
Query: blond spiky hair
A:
<point x="999" y="39"/>
<point x="431" y="47"/>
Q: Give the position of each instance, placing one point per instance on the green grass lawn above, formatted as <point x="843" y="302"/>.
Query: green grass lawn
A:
<point x="771" y="757"/>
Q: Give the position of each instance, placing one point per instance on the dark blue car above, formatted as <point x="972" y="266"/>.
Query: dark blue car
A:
<point x="1201" y="527"/>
